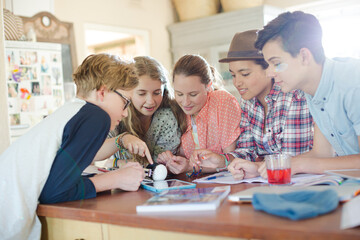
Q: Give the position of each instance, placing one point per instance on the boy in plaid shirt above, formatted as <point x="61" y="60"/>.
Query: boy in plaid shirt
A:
<point x="271" y="121"/>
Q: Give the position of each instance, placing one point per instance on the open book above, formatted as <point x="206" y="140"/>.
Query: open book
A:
<point x="315" y="179"/>
<point x="303" y="179"/>
<point x="195" y="199"/>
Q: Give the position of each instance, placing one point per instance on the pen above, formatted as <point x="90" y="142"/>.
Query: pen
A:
<point x="218" y="176"/>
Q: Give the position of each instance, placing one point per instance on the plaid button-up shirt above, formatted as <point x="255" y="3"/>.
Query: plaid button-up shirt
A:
<point x="288" y="126"/>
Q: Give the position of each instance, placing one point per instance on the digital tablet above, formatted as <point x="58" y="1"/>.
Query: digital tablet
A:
<point x="345" y="173"/>
<point x="170" y="184"/>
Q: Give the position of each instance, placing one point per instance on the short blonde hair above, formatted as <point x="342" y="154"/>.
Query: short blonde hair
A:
<point x="98" y="70"/>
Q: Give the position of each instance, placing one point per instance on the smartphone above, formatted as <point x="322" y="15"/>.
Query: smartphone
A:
<point x="170" y="184"/>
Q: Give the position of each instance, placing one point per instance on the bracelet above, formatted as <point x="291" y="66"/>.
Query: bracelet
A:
<point x="119" y="139"/>
<point x="227" y="161"/>
<point x="226" y="158"/>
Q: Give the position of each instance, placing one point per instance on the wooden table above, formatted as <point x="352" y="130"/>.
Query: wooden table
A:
<point x="112" y="215"/>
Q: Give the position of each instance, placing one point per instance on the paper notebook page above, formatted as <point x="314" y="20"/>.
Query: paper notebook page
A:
<point x="227" y="178"/>
<point x="304" y="177"/>
<point x="310" y="179"/>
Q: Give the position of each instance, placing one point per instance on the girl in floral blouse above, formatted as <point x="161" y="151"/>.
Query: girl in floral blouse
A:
<point x="151" y="127"/>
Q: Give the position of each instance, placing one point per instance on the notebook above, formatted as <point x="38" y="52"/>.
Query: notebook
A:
<point x="196" y="199"/>
<point x="345" y="173"/>
<point x="344" y="192"/>
<point x="302" y="179"/>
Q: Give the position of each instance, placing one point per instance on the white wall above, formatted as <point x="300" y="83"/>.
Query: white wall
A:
<point x="152" y="16"/>
<point x="29" y="8"/>
<point x="290" y="3"/>
<point x="148" y="15"/>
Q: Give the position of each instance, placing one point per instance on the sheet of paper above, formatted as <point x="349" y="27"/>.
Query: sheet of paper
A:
<point x="227" y="178"/>
<point x="350" y="214"/>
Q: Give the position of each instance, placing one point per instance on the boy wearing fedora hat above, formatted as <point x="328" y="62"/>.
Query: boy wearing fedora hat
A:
<point x="271" y="121"/>
<point x="292" y="45"/>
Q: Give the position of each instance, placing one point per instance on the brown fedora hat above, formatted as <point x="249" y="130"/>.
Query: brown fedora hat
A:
<point x="242" y="47"/>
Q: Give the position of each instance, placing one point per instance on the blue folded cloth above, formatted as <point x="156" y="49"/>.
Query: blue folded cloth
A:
<point x="297" y="205"/>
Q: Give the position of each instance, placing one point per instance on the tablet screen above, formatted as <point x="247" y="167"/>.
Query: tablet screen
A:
<point x="158" y="186"/>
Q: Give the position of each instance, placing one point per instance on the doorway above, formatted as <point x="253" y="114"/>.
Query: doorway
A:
<point x="125" y="42"/>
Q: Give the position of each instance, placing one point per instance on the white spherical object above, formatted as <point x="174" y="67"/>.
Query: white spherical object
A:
<point x="160" y="184"/>
<point x="160" y="172"/>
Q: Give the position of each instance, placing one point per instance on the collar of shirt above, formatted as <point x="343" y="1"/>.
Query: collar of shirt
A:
<point x="273" y="95"/>
<point x="325" y="86"/>
<point x="203" y="113"/>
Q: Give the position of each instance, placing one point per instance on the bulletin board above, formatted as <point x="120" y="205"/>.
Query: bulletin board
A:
<point x="34" y="81"/>
<point x="50" y="29"/>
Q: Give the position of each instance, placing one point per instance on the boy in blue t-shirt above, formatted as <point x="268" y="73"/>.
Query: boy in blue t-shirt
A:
<point x="46" y="163"/>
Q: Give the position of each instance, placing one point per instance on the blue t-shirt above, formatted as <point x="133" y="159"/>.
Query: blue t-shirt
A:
<point x="53" y="152"/>
<point x="83" y="136"/>
<point x="334" y="106"/>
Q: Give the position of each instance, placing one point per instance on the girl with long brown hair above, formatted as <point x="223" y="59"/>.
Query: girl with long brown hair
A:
<point x="151" y="127"/>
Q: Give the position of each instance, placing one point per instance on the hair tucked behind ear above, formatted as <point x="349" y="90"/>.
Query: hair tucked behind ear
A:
<point x="196" y="65"/>
<point x="145" y="66"/>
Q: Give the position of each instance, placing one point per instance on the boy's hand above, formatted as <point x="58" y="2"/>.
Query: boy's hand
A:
<point x="136" y="146"/>
<point x="129" y="176"/>
<point x="263" y="170"/>
<point x="241" y="168"/>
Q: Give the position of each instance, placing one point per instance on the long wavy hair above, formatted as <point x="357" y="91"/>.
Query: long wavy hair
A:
<point x="145" y="65"/>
